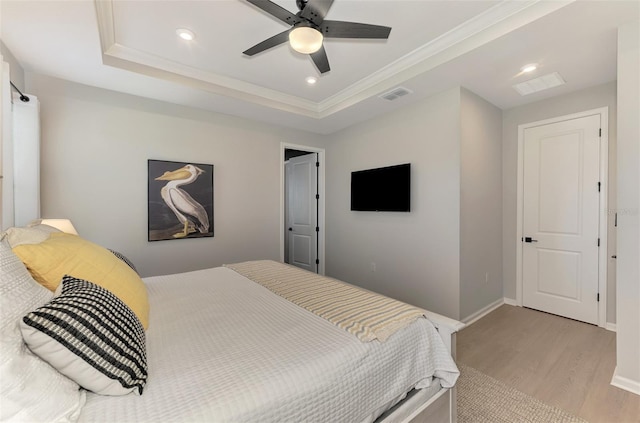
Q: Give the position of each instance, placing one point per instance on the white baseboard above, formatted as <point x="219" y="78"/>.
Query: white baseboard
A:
<point x="627" y="384"/>
<point x="610" y="326"/>
<point x="469" y="320"/>
<point x="511" y="302"/>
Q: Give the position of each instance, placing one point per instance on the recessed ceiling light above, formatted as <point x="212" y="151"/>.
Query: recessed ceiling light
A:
<point x="529" y="68"/>
<point x="185" y="34"/>
<point x="311" y="80"/>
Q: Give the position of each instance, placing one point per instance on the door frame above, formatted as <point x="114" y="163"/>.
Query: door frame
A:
<point x="321" y="201"/>
<point x="603" y="112"/>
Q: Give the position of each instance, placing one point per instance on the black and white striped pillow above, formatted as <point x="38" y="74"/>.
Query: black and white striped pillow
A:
<point x="92" y="337"/>
<point x="124" y="259"/>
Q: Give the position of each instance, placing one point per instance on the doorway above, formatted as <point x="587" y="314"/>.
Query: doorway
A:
<point x="562" y="219"/>
<point x="302" y="207"/>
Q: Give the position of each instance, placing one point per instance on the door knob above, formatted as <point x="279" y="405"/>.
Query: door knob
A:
<point x="529" y="239"/>
<point x="290" y="229"/>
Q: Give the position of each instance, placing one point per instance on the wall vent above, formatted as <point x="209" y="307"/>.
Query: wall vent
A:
<point x="395" y="93"/>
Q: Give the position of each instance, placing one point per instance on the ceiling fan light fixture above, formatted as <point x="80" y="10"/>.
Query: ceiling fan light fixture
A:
<point x="305" y="39"/>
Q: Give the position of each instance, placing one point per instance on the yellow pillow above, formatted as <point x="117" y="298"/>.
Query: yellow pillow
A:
<point x="65" y="254"/>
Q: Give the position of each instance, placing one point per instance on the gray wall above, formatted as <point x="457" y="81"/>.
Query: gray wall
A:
<point x="628" y="326"/>
<point x="95" y="146"/>
<point x="590" y="98"/>
<point x="96" y="143"/>
<point x="428" y="257"/>
<point x="480" y="204"/>
<point x="437" y="256"/>
<point x="416" y="254"/>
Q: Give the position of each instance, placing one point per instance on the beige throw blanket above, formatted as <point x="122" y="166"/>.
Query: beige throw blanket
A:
<point x="360" y="312"/>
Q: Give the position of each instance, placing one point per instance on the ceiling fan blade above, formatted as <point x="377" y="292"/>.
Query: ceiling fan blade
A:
<point x="340" y="29"/>
<point x="316" y="10"/>
<point x="275" y="10"/>
<point x="277" y="39"/>
<point x="320" y="60"/>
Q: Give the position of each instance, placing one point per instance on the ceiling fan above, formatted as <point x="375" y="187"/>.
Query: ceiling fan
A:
<point x="308" y="28"/>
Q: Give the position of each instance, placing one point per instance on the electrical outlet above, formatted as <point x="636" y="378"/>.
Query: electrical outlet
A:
<point x="373" y="266"/>
<point x="486" y="278"/>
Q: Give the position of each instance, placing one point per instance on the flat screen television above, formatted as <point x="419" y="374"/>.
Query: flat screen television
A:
<point x="385" y="189"/>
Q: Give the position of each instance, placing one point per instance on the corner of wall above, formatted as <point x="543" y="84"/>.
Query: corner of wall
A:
<point x="627" y="375"/>
<point x="480" y="204"/>
<point x="17" y="71"/>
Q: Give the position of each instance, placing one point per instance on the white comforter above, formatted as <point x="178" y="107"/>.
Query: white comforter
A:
<point x="222" y="348"/>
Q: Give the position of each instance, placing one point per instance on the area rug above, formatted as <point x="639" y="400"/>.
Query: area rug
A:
<point x="483" y="399"/>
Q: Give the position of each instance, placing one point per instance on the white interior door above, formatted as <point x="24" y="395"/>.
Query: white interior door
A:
<point x="302" y="183"/>
<point x="561" y="218"/>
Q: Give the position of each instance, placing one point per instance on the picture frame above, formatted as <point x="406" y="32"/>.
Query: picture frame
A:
<point x="179" y="200"/>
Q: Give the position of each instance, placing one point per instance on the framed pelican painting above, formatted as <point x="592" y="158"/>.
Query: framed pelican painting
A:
<point x="180" y="200"/>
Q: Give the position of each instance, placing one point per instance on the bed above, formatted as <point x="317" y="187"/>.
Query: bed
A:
<point x="224" y="346"/>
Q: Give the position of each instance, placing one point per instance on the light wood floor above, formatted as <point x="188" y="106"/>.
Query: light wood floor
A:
<point x="561" y="362"/>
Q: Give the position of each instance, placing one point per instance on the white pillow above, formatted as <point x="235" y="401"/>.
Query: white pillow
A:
<point x="30" y="389"/>
<point x="91" y="336"/>
<point x="28" y="235"/>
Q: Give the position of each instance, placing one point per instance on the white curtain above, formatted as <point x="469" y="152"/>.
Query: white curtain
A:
<point x="6" y="134"/>
<point x="26" y="159"/>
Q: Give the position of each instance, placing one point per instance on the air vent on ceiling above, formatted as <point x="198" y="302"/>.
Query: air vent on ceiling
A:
<point x="395" y="93"/>
<point x="539" y="84"/>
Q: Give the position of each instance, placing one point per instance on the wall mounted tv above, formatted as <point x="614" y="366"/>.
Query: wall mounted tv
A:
<point x="385" y="189"/>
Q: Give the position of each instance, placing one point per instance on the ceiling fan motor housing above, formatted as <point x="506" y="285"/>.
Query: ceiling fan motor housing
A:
<point x="307" y="23"/>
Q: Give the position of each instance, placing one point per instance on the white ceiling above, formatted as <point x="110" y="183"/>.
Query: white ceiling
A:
<point x="131" y="47"/>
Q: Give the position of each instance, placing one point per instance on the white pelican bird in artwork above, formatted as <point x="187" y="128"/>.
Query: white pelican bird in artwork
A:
<point x="181" y="203"/>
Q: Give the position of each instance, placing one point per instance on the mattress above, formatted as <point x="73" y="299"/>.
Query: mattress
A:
<point x="222" y="348"/>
